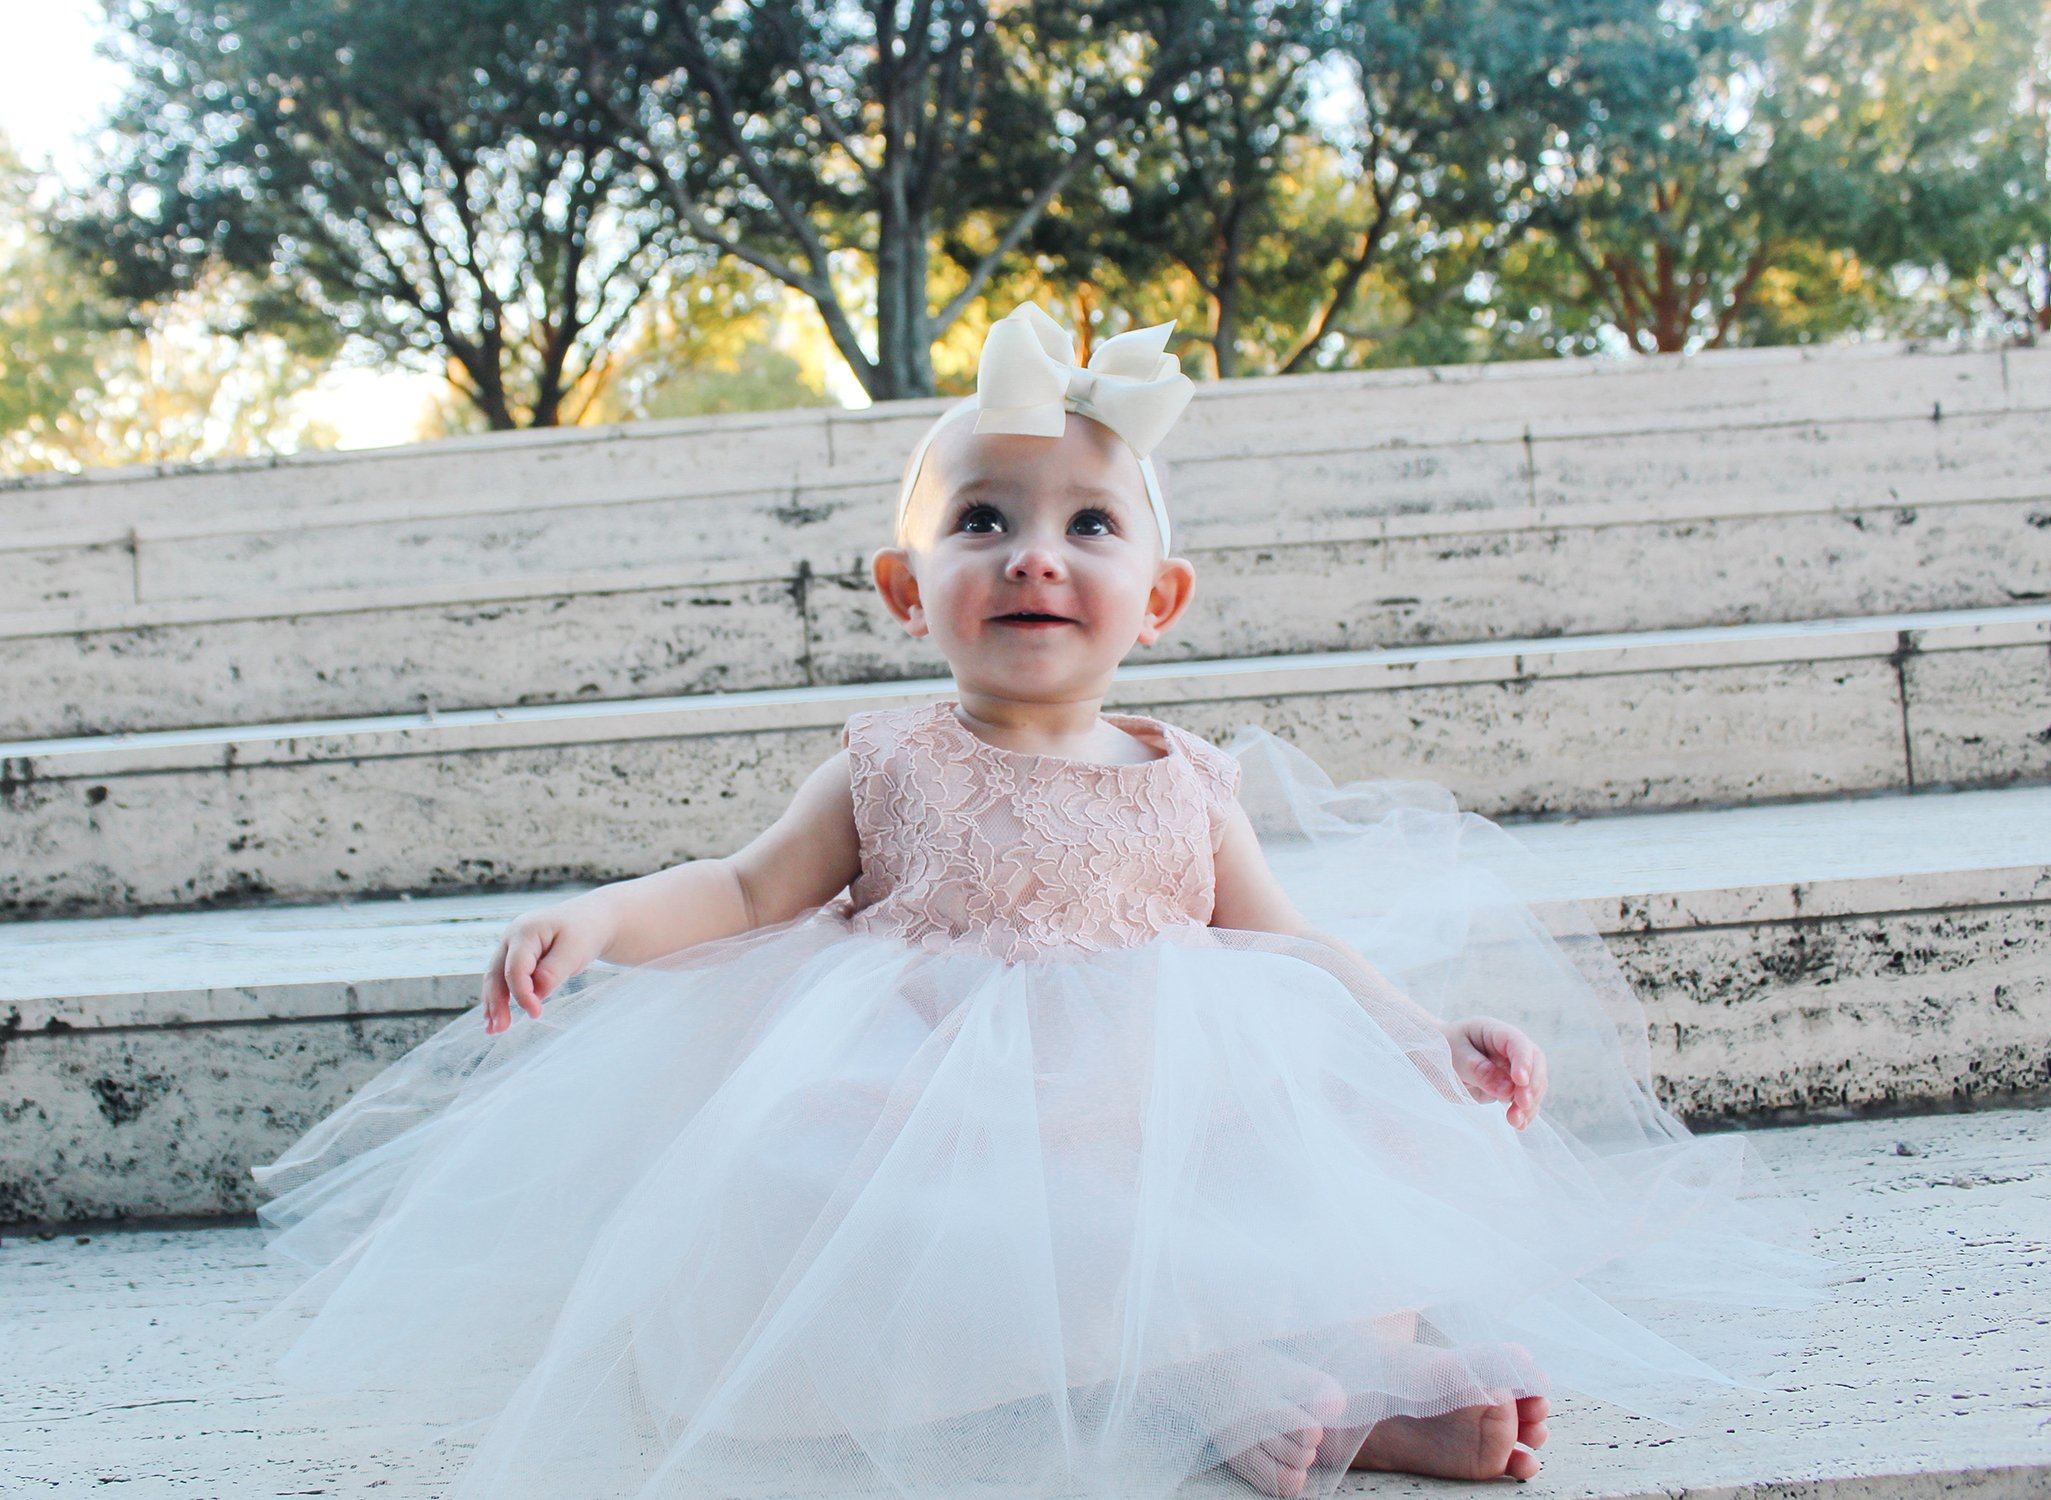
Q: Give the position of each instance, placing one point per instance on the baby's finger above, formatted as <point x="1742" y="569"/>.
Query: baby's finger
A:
<point x="519" y="967"/>
<point x="1491" y="1078"/>
<point x="493" y="996"/>
<point x="1522" y="1056"/>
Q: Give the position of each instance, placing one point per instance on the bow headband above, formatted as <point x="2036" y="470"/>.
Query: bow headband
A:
<point x="1027" y="380"/>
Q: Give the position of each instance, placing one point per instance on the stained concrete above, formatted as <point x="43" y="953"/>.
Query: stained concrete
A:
<point x="1440" y="439"/>
<point x="1793" y="960"/>
<point x="1924" y="1376"/>
<point x="490" y="800"/>
<point x="661" y="631"/>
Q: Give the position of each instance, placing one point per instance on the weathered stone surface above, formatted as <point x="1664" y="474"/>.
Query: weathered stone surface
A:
<point x="1861" y="462"/>
<point x="1521" y="579"/>
<point x="1980" y="718"/>
<point x="341" y="824"/>
<point x="561" y="648"/>
<point x="488" y="800"/>
<point x="1907" y="1009"/>
<point x="1511" y="400"/>
<point x="1792" y="959"/>
<point x="1445" y="439"/>
<point x="92" y="1114"/>
<point x="1537" y="745"/>
<point x="1922" y="1377"/>
<point x="502" y="470"/>
<point x="727" y="536"/>
<point x="334" y="606"/>
<point x="98" y="572"/>
<point x="504" y="798"/>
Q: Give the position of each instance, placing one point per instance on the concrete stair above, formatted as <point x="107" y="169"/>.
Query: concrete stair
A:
<point x="515" y="797"/>
<point x="1846" y="954"/>
<point x="1428" y="507"/>
<point x="1925" y="1376"/>
<point x="691" y="626"/>
<point x="1409" y="415"/>
<point x="1592" y="593"/>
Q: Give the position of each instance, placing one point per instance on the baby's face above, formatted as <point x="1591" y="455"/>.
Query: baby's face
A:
<point x="1003" y="524"/>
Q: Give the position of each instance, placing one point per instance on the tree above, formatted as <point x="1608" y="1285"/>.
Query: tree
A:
<point x="1784" y="160"/>
<point x="708" y="343"/>
<point x="444" y="182"/>
<point x="1200" y="180"/>
<point x="82" y="387"/>
<point x="1336" y="180"/>
<point x="1952" y="116"/>
<point x="828" y="143"/>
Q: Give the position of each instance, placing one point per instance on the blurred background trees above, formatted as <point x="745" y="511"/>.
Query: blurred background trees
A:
<point x="577" y="212"/>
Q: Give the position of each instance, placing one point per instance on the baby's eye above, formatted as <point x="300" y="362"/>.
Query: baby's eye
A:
<point x="1085" y="517"/>
<point x="974" y="513"/>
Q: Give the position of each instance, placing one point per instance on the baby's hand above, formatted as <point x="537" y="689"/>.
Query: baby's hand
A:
<point x="1497" y="1061"/>
<point x="536" y="953"/>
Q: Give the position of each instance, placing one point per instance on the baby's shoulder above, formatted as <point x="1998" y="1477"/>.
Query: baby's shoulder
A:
<point x="871" y="734"/>
<point x="1216" y="769"/>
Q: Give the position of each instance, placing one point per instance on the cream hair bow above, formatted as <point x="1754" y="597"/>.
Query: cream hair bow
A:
<point x="1027" y="380"/>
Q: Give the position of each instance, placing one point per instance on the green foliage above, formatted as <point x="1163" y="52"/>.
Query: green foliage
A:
<point x="603" y="211"/>
<point x="445" y="184"/>
<point x="862" y="154"/>
<point x="705" y="344"/>
<point x="83" y="385"/>
<point x="1811" y="136"/>
<point x="1949" y="126"/>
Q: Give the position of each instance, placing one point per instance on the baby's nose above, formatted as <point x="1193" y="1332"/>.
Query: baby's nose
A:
<point x="1035" y="562"/>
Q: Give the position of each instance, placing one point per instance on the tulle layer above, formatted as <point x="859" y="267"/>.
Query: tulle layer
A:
<point x="811" y="1211"/>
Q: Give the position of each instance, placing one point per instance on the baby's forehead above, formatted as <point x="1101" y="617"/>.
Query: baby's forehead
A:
<point x="1087" y="461"/>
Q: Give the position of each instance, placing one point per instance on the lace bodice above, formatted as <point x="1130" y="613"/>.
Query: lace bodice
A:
<point x="1014" y="854"/>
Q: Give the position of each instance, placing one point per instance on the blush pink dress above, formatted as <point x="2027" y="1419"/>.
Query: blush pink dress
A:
<point x="1006" y="1173"/>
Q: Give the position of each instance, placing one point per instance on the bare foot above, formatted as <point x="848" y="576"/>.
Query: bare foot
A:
<point x="1280" y="1465"/>
<point x="1470" y="1442"/>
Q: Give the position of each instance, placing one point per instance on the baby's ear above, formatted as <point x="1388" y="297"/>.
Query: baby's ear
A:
<point x="891" y="568"/>
<point x="1174" y="586"/>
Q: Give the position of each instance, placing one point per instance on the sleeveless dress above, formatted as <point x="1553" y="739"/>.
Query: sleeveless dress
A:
<point x="1006" y="1173"/>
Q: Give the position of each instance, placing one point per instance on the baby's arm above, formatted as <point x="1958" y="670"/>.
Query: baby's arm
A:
<point x="1490" y="1056"/>
<point x="800" y="861"/>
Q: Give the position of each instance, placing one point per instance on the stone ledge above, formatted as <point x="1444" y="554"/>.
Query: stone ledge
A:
<point x="1817" y="957"/>
<point x="1633" y="873"/>
<point x="1392" y="412"/>
<point x="1495" y="522"/>
<point x="1220" y="682"/>
<point x="540" y="795"/>
<point x="1866" y="476"/>
<point x="692" y="624"/>
<point x="1924" y="1377"/>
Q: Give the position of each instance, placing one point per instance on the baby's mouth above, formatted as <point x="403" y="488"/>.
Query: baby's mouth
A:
<point x="1029" y="617"/>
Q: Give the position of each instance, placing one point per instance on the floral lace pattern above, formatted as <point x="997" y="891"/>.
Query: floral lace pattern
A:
<point x="1014" y="854"/>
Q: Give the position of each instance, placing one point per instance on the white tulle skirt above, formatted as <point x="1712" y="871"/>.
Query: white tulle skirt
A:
<point x="812" y="1211"/>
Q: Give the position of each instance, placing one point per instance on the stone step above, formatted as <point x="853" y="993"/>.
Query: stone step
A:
<point x="1793" y="960"/>
<point x="1685" y="529"/>
<point x="515" y="797"/>
<point x="1923" y="1375"/>
<point x="1512" y="400"/>
<point x="757" y="495"/>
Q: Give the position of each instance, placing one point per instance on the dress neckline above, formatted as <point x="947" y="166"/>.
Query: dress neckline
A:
<point x="945" y="714"/>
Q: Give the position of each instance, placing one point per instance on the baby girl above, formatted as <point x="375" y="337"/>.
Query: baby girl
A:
<point x="996" y="1116"/>
<point x="1034" y="565"/>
